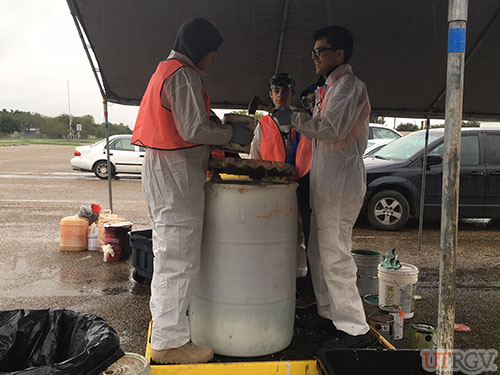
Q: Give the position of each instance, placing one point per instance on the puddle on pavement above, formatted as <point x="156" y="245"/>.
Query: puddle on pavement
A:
<point x="479" y="223"/>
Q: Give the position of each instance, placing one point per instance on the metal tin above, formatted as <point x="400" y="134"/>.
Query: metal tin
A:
<point x="422" y="336"/>
<point x="398" y="314"/>
<point x="129" y="364"/>
<point x="383" y="323"/>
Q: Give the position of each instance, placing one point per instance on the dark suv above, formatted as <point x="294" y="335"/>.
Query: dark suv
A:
<point x="394" y="175"/>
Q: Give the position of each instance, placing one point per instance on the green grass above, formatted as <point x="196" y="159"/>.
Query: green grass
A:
<point x="40" y="141"/>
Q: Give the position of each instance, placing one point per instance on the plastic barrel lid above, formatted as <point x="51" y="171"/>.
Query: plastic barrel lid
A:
<point x="129" y="364"/>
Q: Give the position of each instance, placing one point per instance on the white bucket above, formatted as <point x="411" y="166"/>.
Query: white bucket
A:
<point x="397" y="287"/>
<point x="367" y="262"/>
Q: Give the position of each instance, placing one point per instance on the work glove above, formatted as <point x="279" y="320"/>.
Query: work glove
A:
<point x="283" y="115"/>
<point x="242" y="134"/>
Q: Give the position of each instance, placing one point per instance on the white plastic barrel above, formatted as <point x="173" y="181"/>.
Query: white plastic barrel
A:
<point x="244" y="302"/>
<point x="397" y="287"/>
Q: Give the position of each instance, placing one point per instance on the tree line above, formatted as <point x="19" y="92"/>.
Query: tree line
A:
<point x="410" y="127"/>
<point x="14" y="123"/>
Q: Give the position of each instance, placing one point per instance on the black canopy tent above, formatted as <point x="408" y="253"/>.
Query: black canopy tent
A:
<point x="400" y="48"/>
<point x="400" y="53"/>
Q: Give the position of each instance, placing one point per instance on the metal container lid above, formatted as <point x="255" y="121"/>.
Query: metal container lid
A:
<point x="387" y="309"/>
<point x="382" y="318"/>
<point x="129" y="364"/>
<point x="422" y="327"/>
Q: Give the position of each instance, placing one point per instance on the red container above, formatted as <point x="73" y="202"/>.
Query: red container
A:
<point x="116" y="235"/>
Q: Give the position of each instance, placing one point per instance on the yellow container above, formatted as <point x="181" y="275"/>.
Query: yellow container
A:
<point x="74" y="232"/>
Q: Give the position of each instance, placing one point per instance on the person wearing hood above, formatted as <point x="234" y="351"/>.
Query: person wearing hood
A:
<point x="175" y="126"/>
<point x="339" y="130"/>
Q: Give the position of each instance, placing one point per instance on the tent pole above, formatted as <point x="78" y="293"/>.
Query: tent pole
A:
<point x="422" y="185"/>
<point x="87" y="47"/>
<point x="473" y="51"/>
<point x="457" y="22"/>
<point x="282" y="36"/>
<point x="110" y="175"/>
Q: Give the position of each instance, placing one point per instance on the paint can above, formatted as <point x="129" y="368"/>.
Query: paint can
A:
<point x="422" y="336"/>
<point x="397" y="287"/>
<point x="129" y="364"/>
<point x="383" y="324"/>
<point x="367" y="262"/>
<point x="116" y="235"/>
<point x="398" y="314"/>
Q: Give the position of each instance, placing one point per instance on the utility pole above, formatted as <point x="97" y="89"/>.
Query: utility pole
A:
<point x="70" y="117"/>
<point x="457" y="22"/>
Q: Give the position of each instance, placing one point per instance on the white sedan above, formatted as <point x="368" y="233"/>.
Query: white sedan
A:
<point x="124" y="157"/>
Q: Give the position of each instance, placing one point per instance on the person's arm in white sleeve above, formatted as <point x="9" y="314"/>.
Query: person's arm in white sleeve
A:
<point x="343" y="109"/>
<point x="183" y="95"/>
<point x="255" y="146"/>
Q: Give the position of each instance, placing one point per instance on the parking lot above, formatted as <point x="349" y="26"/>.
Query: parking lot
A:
<point x="38" y="188"/>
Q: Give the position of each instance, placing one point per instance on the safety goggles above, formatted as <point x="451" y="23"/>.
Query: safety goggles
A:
<point x="317" y="51"/>
<point x="282" y="80"/>
<point x="307" y="100"/>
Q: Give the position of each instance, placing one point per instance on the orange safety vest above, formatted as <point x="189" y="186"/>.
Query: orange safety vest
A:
<point x="272" y="146"/>
<point x="155" y="125"/>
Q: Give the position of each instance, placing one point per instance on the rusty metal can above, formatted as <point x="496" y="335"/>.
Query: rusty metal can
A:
<point x="383" y="323"/>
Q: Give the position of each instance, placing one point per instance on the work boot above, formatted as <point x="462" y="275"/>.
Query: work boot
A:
<point x="187" y="353"/>
<point x="343" y="340"/>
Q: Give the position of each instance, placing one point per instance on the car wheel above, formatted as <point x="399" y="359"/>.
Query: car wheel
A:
<point x="100" y="169"/>
<point x="388" y="210"/>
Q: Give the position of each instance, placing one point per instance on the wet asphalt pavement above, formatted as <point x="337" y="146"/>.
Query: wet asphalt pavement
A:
<point x="38" y="188"/>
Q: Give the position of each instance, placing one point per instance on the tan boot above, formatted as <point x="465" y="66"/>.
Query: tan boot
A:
<point x="187" y="353"/>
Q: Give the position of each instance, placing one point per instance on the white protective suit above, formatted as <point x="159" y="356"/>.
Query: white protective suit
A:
<point x="173" y="184"/>
<point x="339" y="130"/>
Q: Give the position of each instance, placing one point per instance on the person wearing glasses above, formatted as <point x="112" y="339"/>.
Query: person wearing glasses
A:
<point x="175" y="126"/>
<point x="276" y="140"/>
<point x="339" y="132"/>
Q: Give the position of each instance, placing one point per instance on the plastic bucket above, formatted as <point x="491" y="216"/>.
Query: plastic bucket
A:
<point x="367" y="262"/>
<point x="397" y="287"/>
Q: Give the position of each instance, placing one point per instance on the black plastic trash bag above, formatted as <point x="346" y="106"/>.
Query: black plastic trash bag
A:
<point x="56" y="342"/>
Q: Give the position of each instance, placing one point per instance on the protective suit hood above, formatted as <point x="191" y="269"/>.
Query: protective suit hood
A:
<point x="196" y="38"/>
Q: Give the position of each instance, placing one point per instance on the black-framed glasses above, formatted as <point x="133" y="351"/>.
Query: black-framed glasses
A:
<point x="317" y="51"/>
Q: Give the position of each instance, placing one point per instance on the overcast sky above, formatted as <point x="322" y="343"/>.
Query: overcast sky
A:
<point x="40" y="51"/>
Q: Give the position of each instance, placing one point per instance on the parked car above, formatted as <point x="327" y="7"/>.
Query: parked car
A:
<point x="394" y="175"/>
<point x="374" y="145"/>
<point x="124" y="157"/>
<point x="379" y="131"/>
